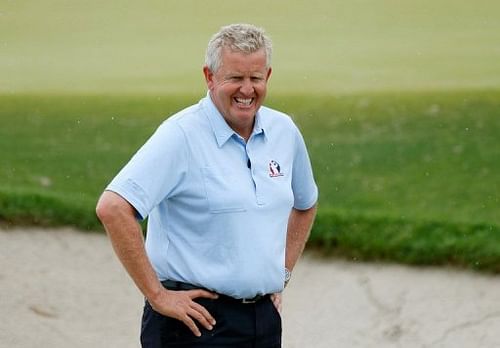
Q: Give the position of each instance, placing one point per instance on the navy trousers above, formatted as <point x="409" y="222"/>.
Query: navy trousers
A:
<point x="239" y="325"/>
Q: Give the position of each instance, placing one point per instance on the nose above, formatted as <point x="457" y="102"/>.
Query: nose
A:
<point x="247" y="87"/>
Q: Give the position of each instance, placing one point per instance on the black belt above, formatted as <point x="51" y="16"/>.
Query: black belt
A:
<point x="176" y="285"/>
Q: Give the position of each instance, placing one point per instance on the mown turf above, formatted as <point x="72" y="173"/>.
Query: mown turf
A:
<point x="417" y="155"/>
<point x="321" y="46"/>
<point x="406" y="177"/>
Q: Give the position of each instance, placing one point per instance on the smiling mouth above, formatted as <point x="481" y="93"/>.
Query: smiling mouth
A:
<point x="244" y="101"/>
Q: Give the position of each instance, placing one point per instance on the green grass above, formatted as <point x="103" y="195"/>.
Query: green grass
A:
<point x="398" y="101"/>
<point x="62" y="151"/>
<point x="417" y="155"/>
<point x="409" y="177"/>
<point x="325" y="46"/>
<point x="408" y="241"/>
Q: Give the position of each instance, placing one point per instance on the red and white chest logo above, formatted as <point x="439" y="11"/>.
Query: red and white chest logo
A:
<point x="274" y="169"/>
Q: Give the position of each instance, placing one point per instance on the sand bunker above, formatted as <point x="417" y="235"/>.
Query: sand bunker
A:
<point x="62" y="288"/>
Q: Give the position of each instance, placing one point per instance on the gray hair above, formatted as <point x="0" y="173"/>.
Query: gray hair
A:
<point x="245" y="38"/>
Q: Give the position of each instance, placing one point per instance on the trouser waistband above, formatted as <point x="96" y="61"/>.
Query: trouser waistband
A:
<point x="176" y="285"/>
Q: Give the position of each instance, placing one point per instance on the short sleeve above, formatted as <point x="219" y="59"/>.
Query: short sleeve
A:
<point x="155" y="171"/>
<point x="304" y="187"/>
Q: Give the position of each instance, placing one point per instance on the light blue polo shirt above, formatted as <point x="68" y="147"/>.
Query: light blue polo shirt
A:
<point x="213" y="221"/>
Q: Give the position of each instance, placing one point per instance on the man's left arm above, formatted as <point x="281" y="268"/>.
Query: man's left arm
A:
<point x="299" y="227"/>
<point x="305" y="192"/>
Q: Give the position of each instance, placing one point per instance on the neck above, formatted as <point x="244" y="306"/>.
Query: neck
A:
<point x="244" y="132"/>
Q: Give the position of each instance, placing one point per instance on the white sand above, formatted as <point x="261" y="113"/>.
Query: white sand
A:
<point x="63" y="288"/>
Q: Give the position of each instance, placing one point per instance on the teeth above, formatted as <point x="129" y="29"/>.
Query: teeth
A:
<point x="244" y="101"/>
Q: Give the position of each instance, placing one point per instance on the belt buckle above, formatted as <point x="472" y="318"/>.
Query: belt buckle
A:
<point x="248" y="300"/>
<point x="251" y="300"/>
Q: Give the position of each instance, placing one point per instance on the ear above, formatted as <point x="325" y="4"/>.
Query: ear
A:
<point x="268" y="74"/>
<point x="209" y="77"/>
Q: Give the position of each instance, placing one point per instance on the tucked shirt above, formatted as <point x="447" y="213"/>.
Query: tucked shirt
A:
<point x="218" y="206"/>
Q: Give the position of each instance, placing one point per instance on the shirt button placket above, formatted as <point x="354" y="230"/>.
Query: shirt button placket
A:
<point x="258" y="197"/>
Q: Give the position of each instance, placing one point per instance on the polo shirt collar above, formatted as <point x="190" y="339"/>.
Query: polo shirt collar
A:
<point x="221" y="129"/>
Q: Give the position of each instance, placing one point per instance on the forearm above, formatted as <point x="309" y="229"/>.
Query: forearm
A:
<point x="299" y="227"/>
<point x="125" y="234"/>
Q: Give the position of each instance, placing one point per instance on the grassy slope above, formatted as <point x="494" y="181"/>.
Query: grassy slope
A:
<point x="392" y="167"/>
<point x="63" y="150"/>
<point x="411" y="178"/>
<point x="424" y="156"/>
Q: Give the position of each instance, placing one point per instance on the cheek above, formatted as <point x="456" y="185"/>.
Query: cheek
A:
<point x="261" y="92"/>
<point x="226" y="92"/>
<point x="261" y="87"/>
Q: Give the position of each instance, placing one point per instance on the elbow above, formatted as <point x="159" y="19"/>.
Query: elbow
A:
<point x="107" y="206"/>
<point x="102" y="209"/>
<point x="112" y="207"/>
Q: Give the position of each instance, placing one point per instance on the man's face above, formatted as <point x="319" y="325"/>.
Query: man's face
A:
<point x="239" y="87"/>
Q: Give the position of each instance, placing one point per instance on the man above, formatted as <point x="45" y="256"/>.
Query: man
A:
<point x="229" y="191"/>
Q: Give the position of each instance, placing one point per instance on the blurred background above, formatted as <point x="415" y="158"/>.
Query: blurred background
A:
<point x="399" y="102"/>
<point x="321" y="47"/>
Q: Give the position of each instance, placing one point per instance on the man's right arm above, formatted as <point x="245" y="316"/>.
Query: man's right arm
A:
<point x="119" y="220"/>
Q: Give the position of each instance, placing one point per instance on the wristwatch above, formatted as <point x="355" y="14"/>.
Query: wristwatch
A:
<point x="288" y="275"/>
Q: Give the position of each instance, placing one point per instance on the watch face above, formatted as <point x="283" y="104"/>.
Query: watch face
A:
<point x="288" y="274"/>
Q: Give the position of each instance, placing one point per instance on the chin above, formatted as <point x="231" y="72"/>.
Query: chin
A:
<point x="246" y="114"/>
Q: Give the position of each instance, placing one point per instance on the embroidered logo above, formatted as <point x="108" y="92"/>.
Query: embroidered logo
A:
<point x="274" y="169"/>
